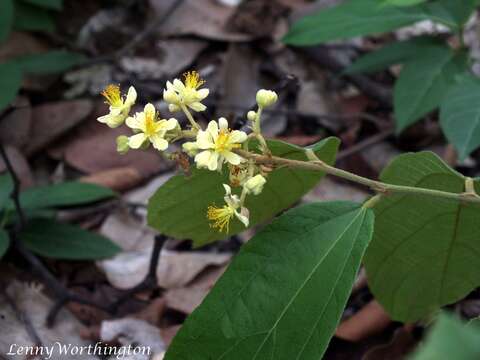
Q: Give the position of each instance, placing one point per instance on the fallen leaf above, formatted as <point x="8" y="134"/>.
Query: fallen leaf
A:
<point x="371" y="319"/>
<point x="51" y="120"/>
<point x="118" y="179"/>
<point x="21" y="43"/>
<point x="20" y="165"/>
<point x="15" y="125"/>
<point x="401" y="345"/>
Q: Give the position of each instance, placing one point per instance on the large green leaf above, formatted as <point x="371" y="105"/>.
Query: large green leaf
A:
<point x="450" y="339"/>
<point x="49" y="63"/>
<point x="403" y="2"/>
<point x="48" y="4"/>
<point x="460" y="116"/>
<point x="392" y="54"/>
<point x="179" y="207"/>
<point x="32" y="18"/>
<point x="360" y="17"/>
<point x="11" y="81"/>
<point x="4" y="242"/>
<point x="63" y="194"/>
<point x="6" y="19"/>
<point x="61" y="241"/>
<point x="424" y="82"/>
<point x="459" y="10"/>
<point x="284" y="293"/>
<point x="6" y="187"/>
<point x="425" y="251"/>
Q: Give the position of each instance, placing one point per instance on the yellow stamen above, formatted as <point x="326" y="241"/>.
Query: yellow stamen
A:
<point x="222" y="143"/>
<point x="220" y="217"/>
<point x="151" y="125"/>
<point x="113" y="95"/>
<point x="192" y="80"/>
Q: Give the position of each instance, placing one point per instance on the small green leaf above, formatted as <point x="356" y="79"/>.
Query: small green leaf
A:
<point x="4" y="242"/>
<point x="6" y="187"/>
<point x="450" y="339"/>
<point x="6" y="19"/>
<point x="64" y="194"/>
<point x="282" y="296"/>
<point x="49" y="63"/>
<point x="361" y="17"/>
<point x="403" y="2"/>
<point x="48" y="4"/>
<point x="11" y="81"/>
<point x="32" y="18"/>
<point x="425" y="251"/>
<point x="460" y="116"/>
<point x="424" y="82"/>
<point x="61" y="241"/>
<point x="179" y="207"/>
<point x="392" y="54"/>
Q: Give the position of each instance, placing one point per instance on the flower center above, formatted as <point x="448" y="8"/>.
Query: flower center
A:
<point x="150" y="125"/>
<point x="192" y="80"/>
<point x="222" y="143"/>
<point x="220" y="217"/>
<point x="113" y="96"/>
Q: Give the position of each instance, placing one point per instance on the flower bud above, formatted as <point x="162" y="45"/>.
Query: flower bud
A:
<point x="122" y="144"/>
<point x="191" y="148"/>
<point x="255" y="184"/>
<point x="251" y="115"/>
<point x="266" y="98"/>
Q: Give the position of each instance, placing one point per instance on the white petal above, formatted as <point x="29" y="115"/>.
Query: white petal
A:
<point x="178" y="85"/>
<point x="112" y="120"/>
<point x="171" y="124"/>
<point x="131" y="96"/>
<point x="197" y="106"/>
<point x="134" y="122"/>
<point x="237" y="136"/>
<point x="213" y="161"/>
<point x="173" y="108"/>
<point x="136" y="141"/>
<point x="149" y="110"/>
<point x="228" y="189"/>
<point x="169" y="85"/>
<point x="232" y="158"/>
<point x="223" y="123"/>
<point x="243" y="218"/>
<point x="159" y="143"/>
<point x="202" y="159"/>
<point x="171" y="96"/>
<point x="202" y="94"/>
<point x="204" y="140"/>
<point x="212" y="128"/>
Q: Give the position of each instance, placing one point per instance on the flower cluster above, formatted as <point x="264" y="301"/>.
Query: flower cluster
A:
<point x="214" y="148"/>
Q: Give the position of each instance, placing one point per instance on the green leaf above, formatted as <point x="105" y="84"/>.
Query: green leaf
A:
<point x="459" y="10"/>
<point x="6" y="187"/>
<point x="460" y="116"/>
<point x="178" y="209"/>
<point x="392" y="54"/>
<point x="361" y="17"/>
<point x="11" y="81"/>
<point x="49" y="63"/>
<point x="48" y="4"/>
<point x="32" y="18"/>
<point x="61" y="241"/>
<point x="64" y="194"/>
<point x="450" y="339"/>
<point x="6" y="19"/>
<point x="284" y="293"/>
<point x="424" y="82"/>
<point x="4" y="242"/>
<point x="403" y="2"/>
<point x="425" y="251"/>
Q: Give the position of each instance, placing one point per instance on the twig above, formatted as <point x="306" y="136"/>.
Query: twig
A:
<point x="139" y="38"/>
<point x="150" y="281"/>
<point x="23" y="318"/>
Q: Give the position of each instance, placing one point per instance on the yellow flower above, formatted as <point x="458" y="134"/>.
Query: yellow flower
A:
<point x="217" y="143"/>
<point x="186" y="93"/>
<point x="119" y="107"/>
<point x="149" y="129"/>
<point x="222" y="216"/>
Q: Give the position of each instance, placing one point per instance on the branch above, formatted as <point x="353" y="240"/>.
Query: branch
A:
<point x="316" y="164"/>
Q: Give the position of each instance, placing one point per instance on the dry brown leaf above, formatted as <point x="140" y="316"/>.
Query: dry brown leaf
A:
<point x="118" y="179"/>
<point x="370" y="320"/>
<point x="51" y="120"/>
<point x="15" y="126"/>
<point x="204" y="18"/>
<point x="397" y="349"/>
<point x="20" y="165"/>
<point x="21" y="43"/>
